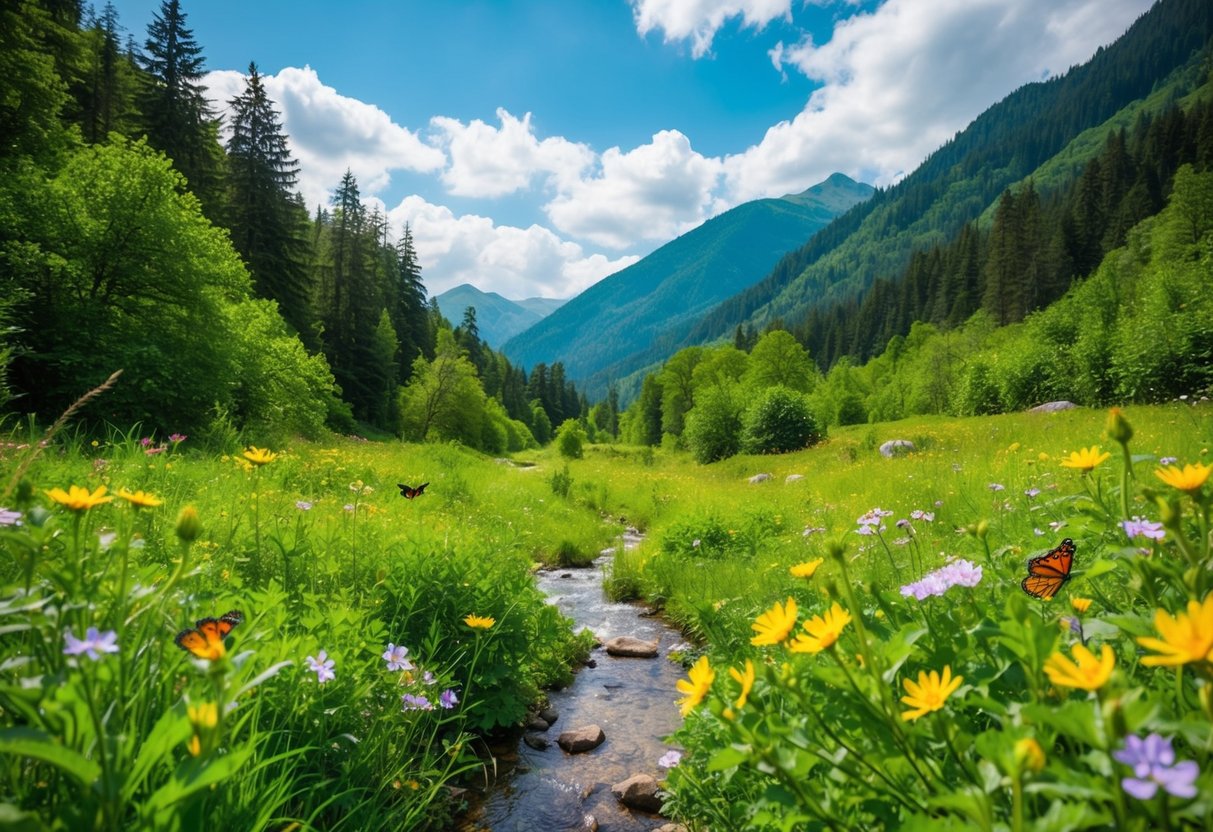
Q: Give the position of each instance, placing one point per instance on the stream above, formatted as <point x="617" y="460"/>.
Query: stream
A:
<point x="632" y="700"/>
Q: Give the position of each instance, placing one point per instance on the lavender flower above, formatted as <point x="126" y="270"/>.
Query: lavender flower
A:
<point x="925" y="516"/>
<point x="903" y="523"/>
<point x="303" y="505"/>
<point x="1168" y="460"/>
<point x="1153" y="763"/>
<point x="427" y="678"/>
<point x="409" y="702"/>
<point x="395" y="655"/>
<point x="956" y="573"/>
<point x="996" y="487"/>
<point x="322" y="666"/>
<point x="1143" y="527"/>
<point x="93" y="644"/>
<point x="10" y="517"/>
<point x="448" y="699"/>
<point x="670" y="759"/>
<point x="1032" y="492"/>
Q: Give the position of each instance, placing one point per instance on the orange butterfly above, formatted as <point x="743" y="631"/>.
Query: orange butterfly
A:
<point x="1049" y="572"/>
<point x="408" y="492"/>
<point x="205" y="638"/>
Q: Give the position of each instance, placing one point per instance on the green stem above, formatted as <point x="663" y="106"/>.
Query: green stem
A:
<point x="1126" y="473"/>
<point x="1017" y="802"/>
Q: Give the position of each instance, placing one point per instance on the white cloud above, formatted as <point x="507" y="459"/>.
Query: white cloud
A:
<point x="488" y="162"/>
<point x="330" y="133"/>
<point x="700" y="20"/>
<point x="900" y="81"/>
<point x="515" y="262"/>
<point x="654" y="192"/>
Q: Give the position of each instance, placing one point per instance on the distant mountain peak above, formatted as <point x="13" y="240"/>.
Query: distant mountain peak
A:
<point x="837" y="189"/>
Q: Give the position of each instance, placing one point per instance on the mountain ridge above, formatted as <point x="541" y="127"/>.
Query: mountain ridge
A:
<point x="498" y="318"/>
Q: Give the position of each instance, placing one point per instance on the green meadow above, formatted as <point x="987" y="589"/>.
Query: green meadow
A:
<point x="310" y="716"/>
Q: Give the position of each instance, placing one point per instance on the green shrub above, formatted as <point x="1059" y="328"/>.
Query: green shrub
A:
<point x="713" y="427"/>
<point x="778" y="422"/>
<point x="570" y="439"/>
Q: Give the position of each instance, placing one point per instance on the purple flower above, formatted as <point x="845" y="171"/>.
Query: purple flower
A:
<point x="348" y="506"/>
<point x="93" y="644"/>
<point x="145" y="441"/>
<point x="1153" y="763"/>
<point x="1143" y="527"/>
<point x="903" y="523"/>
<point x="395" y="655"/>
<point x="303" y="505"/>
<point x="926" y="516"/>
<point x="1032" y="492"/>
<point x="1168" y="460"/>
<point x="177" y="437"/>
<point x="10" y="517"/>
<point x="427" y="678"/>
<point x="409" y="702"/>
<point x="670" y="759"/>
<point x="956" y="573"/>
<point x="996" y="487"/>
<point x="448" y="699"/>
<point x="159" y="449"/>
<point x="322" y="666"/>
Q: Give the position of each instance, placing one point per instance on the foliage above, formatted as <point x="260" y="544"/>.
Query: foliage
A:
<point x="571" y="439"/>
<point x="713" y="430"/>
<point x="778" y="421"/>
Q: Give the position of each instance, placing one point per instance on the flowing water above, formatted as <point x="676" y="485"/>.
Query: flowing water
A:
<point x="632" y="700"/>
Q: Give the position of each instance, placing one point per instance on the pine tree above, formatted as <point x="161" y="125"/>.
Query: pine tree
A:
<point x="267" y="222"/>
<point x="176" y="114"/>
<point x="409" y="314"/>
<point x="106" y="92"/>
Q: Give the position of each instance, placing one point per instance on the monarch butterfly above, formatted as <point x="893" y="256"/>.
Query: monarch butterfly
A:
<point x="408" y="492"/>
<point x="1047" y="573"/>
<point x="205" y="638"/>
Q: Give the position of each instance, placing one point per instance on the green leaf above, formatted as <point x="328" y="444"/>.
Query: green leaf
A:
<point x="13" y="819"/>
<point x="730" y="757"/>
<point x="30" y="742"/>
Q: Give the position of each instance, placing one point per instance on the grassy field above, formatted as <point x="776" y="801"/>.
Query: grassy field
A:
<point x="309" y="715"/>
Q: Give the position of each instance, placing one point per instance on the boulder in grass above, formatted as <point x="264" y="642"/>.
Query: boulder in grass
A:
<point x="631" y="647"/>
<point x="794" y="478"/>
<point x="896" y="447"/>
<point x="757" y="478"/>
<point x="638" y="792"/>
<point x="579" y="740"/>
<point x="1053" y="407"/>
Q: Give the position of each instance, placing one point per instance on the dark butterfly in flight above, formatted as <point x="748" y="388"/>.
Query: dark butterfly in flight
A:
<point x="1049" y="572"/>
<point x="408" y="492"/>
<point x="205" y="638"/>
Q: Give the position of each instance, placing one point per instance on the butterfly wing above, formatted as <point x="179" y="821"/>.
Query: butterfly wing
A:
<point x="1049" y="572"/>
<point x="205" y="639"/>
<point x="229" y="620"/>
<point x="408" y="492"/>
<point x="419" y="489"/>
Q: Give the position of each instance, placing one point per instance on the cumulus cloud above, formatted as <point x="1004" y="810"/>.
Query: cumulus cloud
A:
<point x="330" y="133"/>
<point x="900" y="81"/>
<point x="515" y="262"/>
<point x="488" y="161"/>
<point x="654" y="192"/>
<point x="700" y="20"/>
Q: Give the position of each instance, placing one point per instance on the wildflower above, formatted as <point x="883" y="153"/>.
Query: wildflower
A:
<point x="479" y="622"/>
<point x="1013" y="447"/>
<point x="188" y="524"/>
<point x="1080" y="605"/>
<point x="806" y="569"/>
<point x="322" y="666"/>
<point x="1141" y="527"/>
<point x="205" y="715"/>
<point x="1074" y="625"/>
<point x="1038" y="532"/>
<point x="929" y="693"/>
<point x="140" y="499"/>
<point x="1087" y="673"/>
<point x="1190" y="479"/>
<point x="93" y="644"/>
<point x="701" y="675"/>
<point x="1186" y="637"/>
<point x="411" y="702"/>
<point x="348" y="507"/>
<point x="9" y="517"/>
<point x="996" y="487"/>
<point x="670" y="759"/>
<point x="903" y="524"/>
<point x="1168" y="460"/>
<point x="177" y="438"/>
<point x="1028" y="753"/>
<point x="1086" y="459"/>
<point x="448" y="699"/>
<point x="303" y="505"/>
<point x="919" y="514"/>
<point x="1031" y="493"/>
<point x="395" y="655"/>
<point x="79" y="499"/>
<point x="427" y="678"/>
<point x="695" y="543"/>
<point x="1057" y="525"/>
<point x="145" y="441"/>
<point x="957" y="573"/>
<point x="822" y="631"/>
<point x="774" y="625"/>
<point x="260" y="456"/>
<point x="1153" y="763"/>
<point x="1118" y="427"/>
<point x="745" y="679"/>
<point x="159" y="449"/>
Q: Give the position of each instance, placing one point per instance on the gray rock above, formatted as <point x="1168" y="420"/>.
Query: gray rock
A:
<point x="549" y="715"/>
<point x="631" y="647"/>
<point x="1052" y="407"/>
<point x="896" y="447"/>
<point x="538" y="723"/>
<point x="794" y="478"/>
<point x="638" y="792"/>
<point x="578" y="740"/>
<point x="757" y="478"/>
<point x="536" y="742"/>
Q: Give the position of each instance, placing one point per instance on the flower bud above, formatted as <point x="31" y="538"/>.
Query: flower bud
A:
<point x="1029" y="755"/>
<point x="1118" y="427"/>
<point x="188" y="524"/>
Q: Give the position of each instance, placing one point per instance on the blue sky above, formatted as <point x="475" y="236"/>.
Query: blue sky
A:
<point x="536" y="147"/>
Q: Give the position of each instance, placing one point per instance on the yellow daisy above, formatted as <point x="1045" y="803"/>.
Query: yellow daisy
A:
<point x="1087" y="673"/>
<point x="1189" y="479"/>
<point x="701" y="675"/>
<point x="79" y="499"/>
<point x="822" y="631"/>
<point x="929" y="693"/>
<point x="774" y="625"/>
<point x="1086" y="459"/>
<point x="1186" y="637"/>
<point x="806" y="569"/>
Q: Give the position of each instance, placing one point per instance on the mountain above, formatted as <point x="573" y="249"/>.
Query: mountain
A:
<point x="659" y="298"/>
<point x="497" y="318"/>
<point x="957" y="183"/>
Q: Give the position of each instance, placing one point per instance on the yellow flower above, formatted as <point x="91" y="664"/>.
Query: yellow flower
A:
<point x="479" y="622"/>
<point x="1013" y="447"/>
<point x="1080" y="605"/>
<point x="745" y="679"/>
<point x="139" y="499"/>
<point x="79" y="499"/>
<point x="203" y="716"/>
<point x="1186" y="637"/>
<point x="260" y="456"/>
<point x="1028" y="753"/>
<point x="1190" y="479"/>
<point x="806" y="569"/>
<point x="822" y="631"/>
<point x="1086" y="459"/>
<point x="774" y="625"/>
<point x="701" y="676"/>
<point x="1088" y="673"/>
<point x="929" y="693"/>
